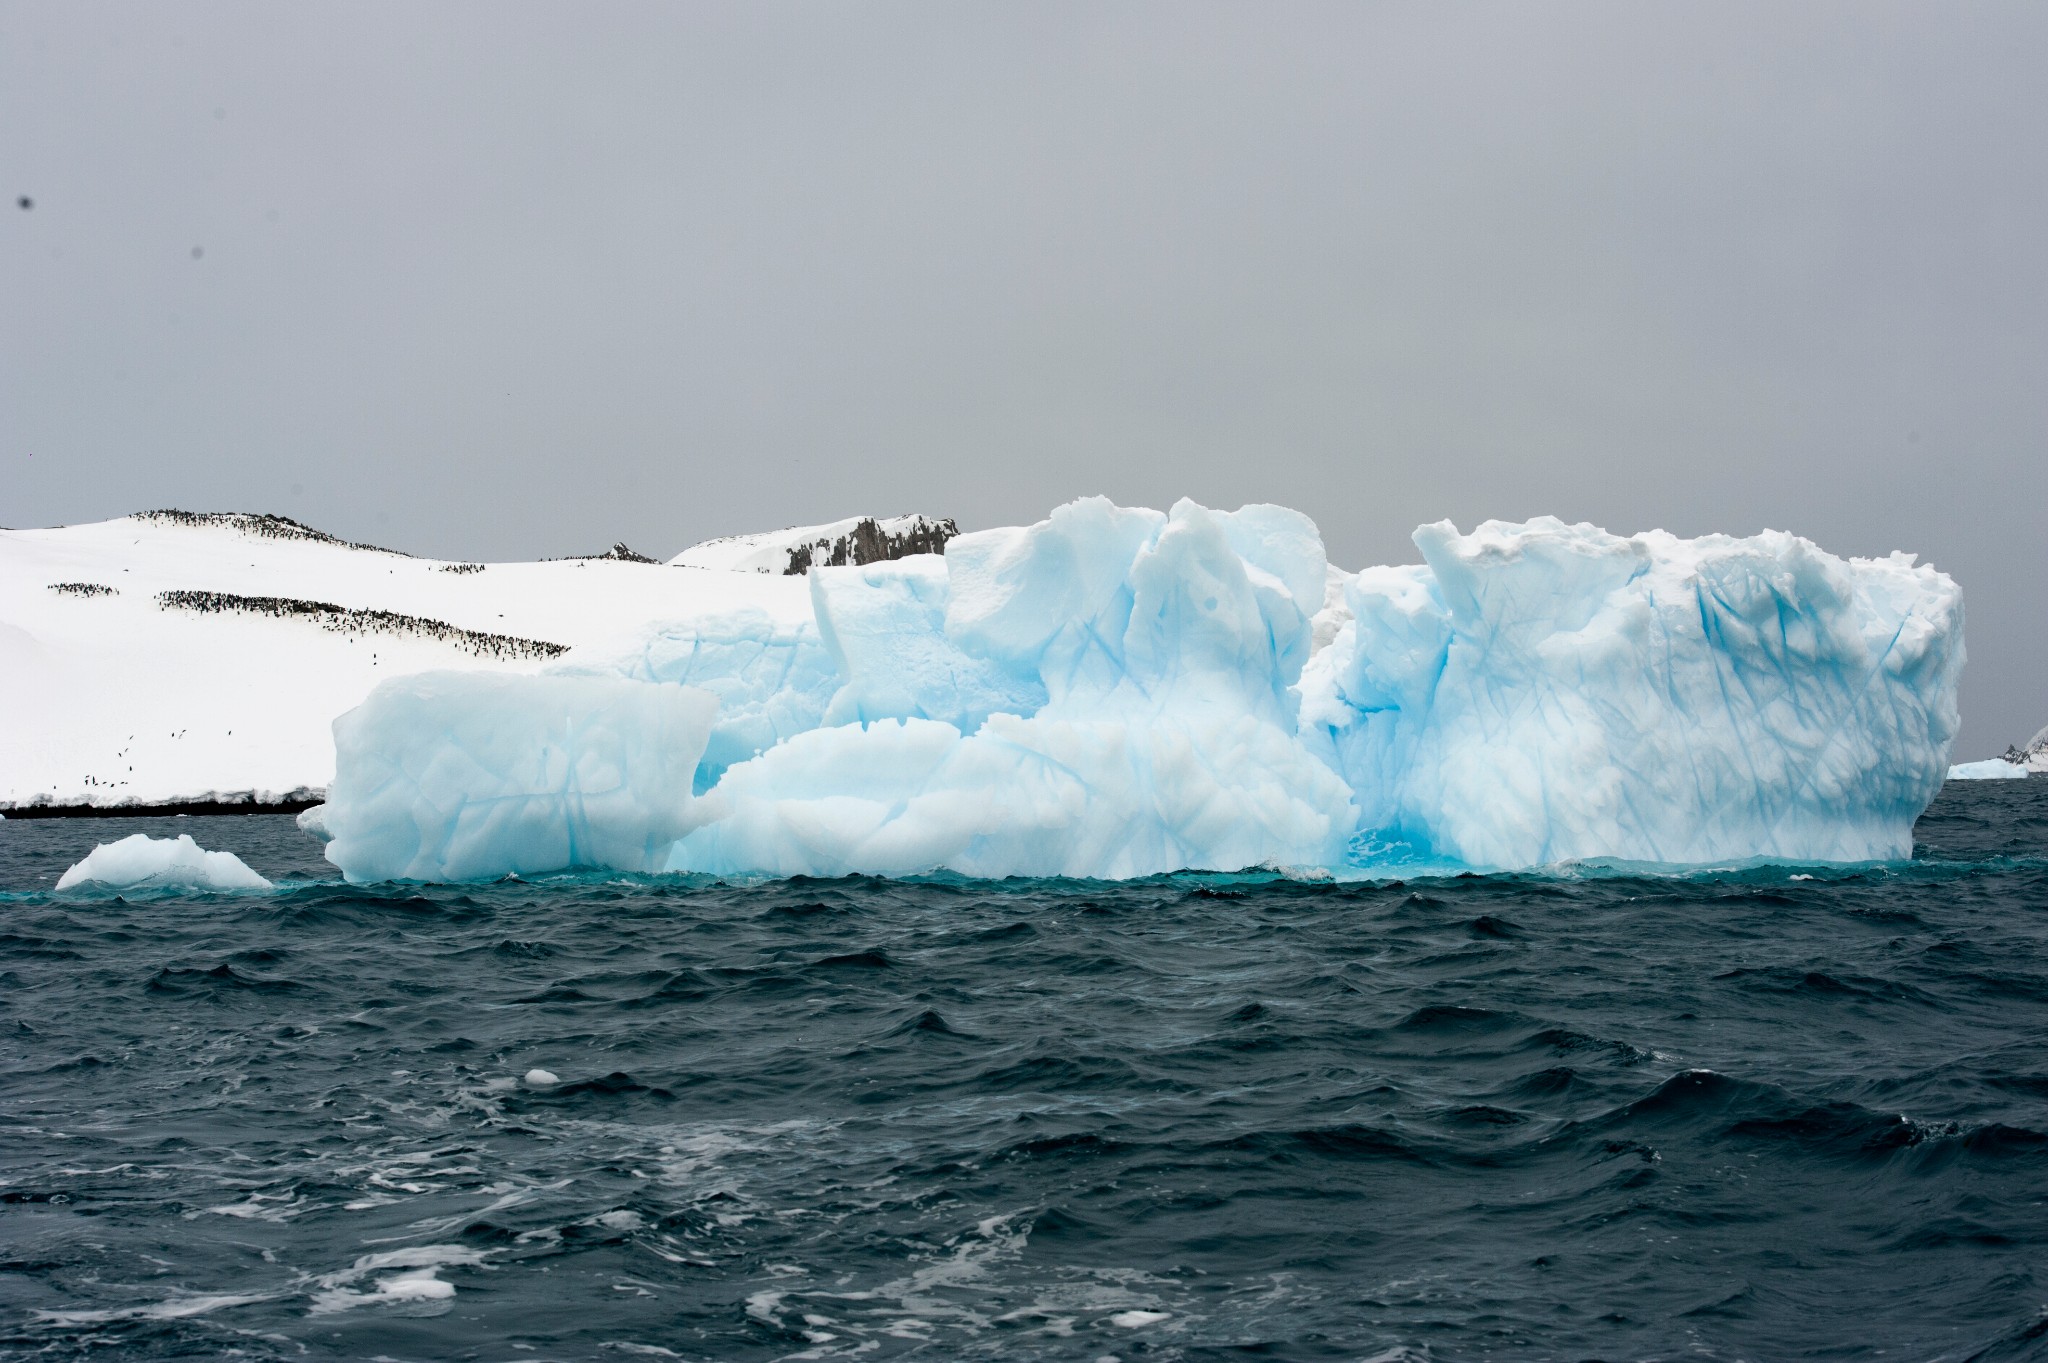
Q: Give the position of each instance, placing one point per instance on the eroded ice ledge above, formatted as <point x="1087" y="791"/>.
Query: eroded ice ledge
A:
<point x="1119" y="692"/>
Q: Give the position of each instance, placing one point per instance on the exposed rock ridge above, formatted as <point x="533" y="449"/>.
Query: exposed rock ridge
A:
<point x="2034" y="757"/>
<point x="621" y="553"/>
<point x="868" y="542"/>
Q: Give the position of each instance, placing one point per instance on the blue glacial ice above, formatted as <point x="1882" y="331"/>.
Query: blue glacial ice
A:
<point x="450" y="776"/>
<point x="884" y="627"/>
<point x="1150" y="659"/>
<point x="1119" y="692"/>
<point x="772" y="679"/>
<point x="1543" y="693"/>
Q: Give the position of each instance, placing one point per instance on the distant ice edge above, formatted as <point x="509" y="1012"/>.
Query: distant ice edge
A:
<point x="1117" y="692"/>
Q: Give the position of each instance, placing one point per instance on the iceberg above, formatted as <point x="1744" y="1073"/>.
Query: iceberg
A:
<point x="313" y="821"/>
<point x="1990" y="769"/>
<point x="1149" y="659"/>
<point x="1118" y="692"/>
<point x="1540" y="693"/>
<point x="773" y="679"/>
<point x="142" y="862"/>
<point x="884" y="631"/>
<point x="448" y="776"/>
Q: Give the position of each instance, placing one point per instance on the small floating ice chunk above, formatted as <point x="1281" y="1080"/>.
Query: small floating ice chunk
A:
<point x="142" y="862"/>
<point x="314" y="820"/>
<point x="1137" y="1320"/>
<point x="542" y="1078"/>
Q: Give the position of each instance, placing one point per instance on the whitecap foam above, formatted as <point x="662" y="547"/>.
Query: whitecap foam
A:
<point x="176" y="1308"/>
<point x="418" y="1278"/>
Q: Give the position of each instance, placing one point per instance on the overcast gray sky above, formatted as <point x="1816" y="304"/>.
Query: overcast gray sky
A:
<point x="505" y="280"/>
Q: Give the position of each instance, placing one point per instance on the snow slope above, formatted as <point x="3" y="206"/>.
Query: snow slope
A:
<point x="111" y="698"/>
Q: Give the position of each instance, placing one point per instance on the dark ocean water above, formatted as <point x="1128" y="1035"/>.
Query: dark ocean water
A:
<point x="1772" y="1113"/>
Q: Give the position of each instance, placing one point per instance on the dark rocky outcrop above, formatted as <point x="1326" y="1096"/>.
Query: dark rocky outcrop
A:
<point x="622" y="554"/>
<point x="868" y="542"/>
<point x="2037" y="746"/>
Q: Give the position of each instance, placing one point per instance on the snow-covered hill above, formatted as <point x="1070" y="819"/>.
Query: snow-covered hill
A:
<point x="795" y="551"/>
<point x="168" y="657"/>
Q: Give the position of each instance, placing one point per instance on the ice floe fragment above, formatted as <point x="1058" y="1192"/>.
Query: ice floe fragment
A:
<point x="142" y="862"/>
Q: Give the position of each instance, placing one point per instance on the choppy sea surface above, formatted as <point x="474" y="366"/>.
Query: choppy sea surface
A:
<point x="1761" y="1113"/>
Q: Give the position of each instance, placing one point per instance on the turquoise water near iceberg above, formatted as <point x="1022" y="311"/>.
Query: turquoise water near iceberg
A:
<point x="1760" y="1113"/>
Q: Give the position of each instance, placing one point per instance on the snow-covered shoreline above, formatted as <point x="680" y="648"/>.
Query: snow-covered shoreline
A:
<point x="173" y="662"/>
<point x="209" y="803"/>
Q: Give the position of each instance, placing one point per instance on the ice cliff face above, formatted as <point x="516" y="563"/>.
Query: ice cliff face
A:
<point x="1118" y="692"/>
<point x="1104" y="694"/>
<point x="1542" y="693"/>
<point x="478" y="775"/>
